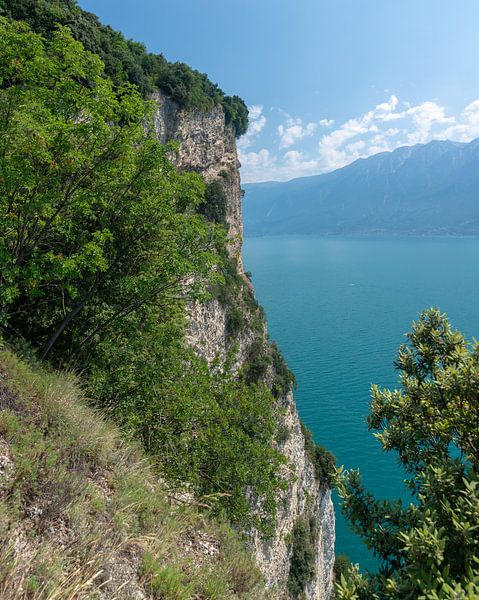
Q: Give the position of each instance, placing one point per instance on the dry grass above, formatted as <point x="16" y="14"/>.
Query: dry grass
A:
<point x="83" y="514"/>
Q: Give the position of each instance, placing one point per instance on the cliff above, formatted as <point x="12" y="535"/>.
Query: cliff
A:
<point x="208" y="146"/>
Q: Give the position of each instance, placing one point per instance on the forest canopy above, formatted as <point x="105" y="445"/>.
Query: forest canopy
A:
<point x="127" y="60"/>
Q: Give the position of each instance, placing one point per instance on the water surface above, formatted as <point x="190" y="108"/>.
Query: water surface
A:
<point x="339" y="308"/>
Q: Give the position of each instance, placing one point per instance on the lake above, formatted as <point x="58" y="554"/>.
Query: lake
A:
<point x="339" y="308"/>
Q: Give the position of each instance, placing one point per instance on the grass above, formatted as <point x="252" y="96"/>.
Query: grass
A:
<point x="83" y="514"/>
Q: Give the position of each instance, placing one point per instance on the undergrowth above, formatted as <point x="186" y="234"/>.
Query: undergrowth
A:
<point x="83" y="511"/>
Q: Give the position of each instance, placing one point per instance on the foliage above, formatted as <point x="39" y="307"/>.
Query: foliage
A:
<point x="342" y="566"/>
<point x="85" y="504"/>
<point x="206" y="430"/>
<point x="215" y="204"/>
<point x="126" y="60"/>
<point x="429" y="549"/>
<point x="303" y="539"/>
<point x="284" y="378"/>
<point x="323" y="461"/>
<point x="101" y="244"/>
<point x="257" y="362"/>
<point x="235" y="321"/>
<point x="95" y="221"/>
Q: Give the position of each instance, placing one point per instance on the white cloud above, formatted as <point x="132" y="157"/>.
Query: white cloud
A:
<point x="420" y="124"/>
<point x="467" y="126"/>
<point x="257" y="122"/>
<point x="262" y="166"/>
<point x="383" y="128"/>
<point x="326" y="123"/>
<point x="294" y="131"/>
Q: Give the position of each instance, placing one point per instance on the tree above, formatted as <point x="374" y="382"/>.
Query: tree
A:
<point x="429" y="549"/>
<point x="95" y="220"/>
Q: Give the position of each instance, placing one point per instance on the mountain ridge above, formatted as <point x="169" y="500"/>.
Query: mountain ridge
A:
<point x="408" y="191"/>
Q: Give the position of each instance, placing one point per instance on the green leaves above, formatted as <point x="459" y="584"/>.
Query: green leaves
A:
<point x="429" y="550"/>
<point x="95" y="221"/>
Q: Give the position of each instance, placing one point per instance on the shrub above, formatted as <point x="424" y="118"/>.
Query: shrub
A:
<point x="235" y="321"/>
<point x="257" y="362"/>
<point x="303" y="557"/>
<point x="324" y="462"/>
<point x="284" y="378"/>
<point x="215" y="204"/>
<point x="342" y="565"/>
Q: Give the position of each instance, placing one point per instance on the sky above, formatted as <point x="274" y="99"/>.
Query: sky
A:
<point x="326" y="82"/>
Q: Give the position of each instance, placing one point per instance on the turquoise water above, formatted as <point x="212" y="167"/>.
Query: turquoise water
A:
<point x="339" y="308"/>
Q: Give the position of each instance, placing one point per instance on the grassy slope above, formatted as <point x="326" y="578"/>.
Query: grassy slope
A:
<point x="82" y="514"/>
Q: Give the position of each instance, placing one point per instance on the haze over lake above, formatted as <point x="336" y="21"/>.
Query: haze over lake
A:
<point x="339" y="308"/>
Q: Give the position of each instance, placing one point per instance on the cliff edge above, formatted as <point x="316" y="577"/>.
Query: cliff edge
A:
<point x="207" y="145"/>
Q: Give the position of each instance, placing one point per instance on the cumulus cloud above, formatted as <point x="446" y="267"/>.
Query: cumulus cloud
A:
<point x="294" y="130"/>
<point x="326" y="123"/>
<point x="257" y="122"/>
<point x="262" y="166"/>
<point x="466" y="127"/>
<point x="383" y="128"/>
<point x="371" y="133"/>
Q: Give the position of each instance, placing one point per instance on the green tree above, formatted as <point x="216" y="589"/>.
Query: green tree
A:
<point x="95" y="221"/>
<point x="126" y="60"/>
<point x="429" y="549"/>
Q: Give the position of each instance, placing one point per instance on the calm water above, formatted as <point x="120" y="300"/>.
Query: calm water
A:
<point x="339" y="308"/>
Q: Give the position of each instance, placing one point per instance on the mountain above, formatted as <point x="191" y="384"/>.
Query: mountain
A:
<point x="426" y="189"/>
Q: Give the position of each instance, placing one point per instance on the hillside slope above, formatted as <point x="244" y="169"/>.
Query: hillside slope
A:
<point x="83" y="514"/>
<point x="424" y="189"/>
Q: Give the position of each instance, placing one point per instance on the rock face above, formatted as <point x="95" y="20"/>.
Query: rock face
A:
<point x="208" y="146"/>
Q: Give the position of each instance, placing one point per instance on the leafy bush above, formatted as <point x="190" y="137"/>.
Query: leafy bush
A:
<point x="235" y="321"/>
<point x="207" y="431"/>
<point x="303" y="555"/>
<point x="428" y="548"/>
<point x="257" y="361"/>
<point x="215" y="204"/>
<point x="126" y="60"/>
<point x="342" y="565"/>
<point x="284" y="378"/>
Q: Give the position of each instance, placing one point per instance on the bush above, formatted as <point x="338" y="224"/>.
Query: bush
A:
<point x="303" y="557"/>
<point x="284" y="378"/>
<point x="215" y="204"/>
<point x="342" y="564"/>
<point x="257" y="362"/>
<point x="234" y="322"/>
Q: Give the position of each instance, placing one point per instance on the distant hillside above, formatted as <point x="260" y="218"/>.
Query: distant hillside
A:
<point x="427" y="189"/>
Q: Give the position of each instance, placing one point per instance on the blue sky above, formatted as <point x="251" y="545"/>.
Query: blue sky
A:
<point x="327" y="81"/>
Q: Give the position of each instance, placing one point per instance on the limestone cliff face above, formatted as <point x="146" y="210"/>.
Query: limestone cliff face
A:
<point x="208" y="146"/>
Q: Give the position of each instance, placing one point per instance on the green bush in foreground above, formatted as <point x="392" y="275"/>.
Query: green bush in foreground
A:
<point x="428" y="549"/>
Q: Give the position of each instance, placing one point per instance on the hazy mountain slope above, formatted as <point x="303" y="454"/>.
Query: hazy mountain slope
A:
<point x="424" y="189"/>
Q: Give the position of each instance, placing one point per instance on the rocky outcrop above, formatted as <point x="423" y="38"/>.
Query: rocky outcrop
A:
<point x="208" y="146"/>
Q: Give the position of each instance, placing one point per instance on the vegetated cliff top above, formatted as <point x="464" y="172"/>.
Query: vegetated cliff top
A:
<point x="82" y="513"/>
<point x="127" y="60"/>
